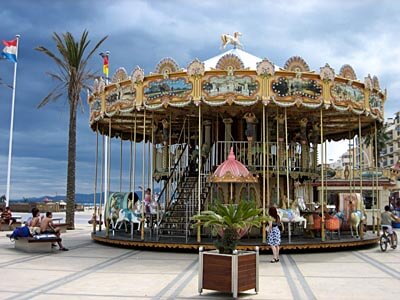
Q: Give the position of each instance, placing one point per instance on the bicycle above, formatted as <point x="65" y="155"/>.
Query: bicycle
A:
<point x="385" y="239"/>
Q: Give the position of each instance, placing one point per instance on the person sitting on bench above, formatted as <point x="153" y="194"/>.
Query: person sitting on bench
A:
<point x="7" y="218"/>
<point x="34" y="223"/>
<point x="47" y="227"/>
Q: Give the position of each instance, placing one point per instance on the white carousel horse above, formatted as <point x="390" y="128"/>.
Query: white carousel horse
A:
<point x="119" y="216"/>
<point x="293" y="214"/>
<point x="356" y="219"/>
<point x="229" y="39"/>
<point x="126" y="215"/>
<point x="113" y="212"/>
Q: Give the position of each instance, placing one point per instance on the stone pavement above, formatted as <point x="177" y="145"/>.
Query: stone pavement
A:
<point x="94" y="271"/>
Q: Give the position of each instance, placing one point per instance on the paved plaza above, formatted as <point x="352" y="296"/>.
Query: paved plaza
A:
<point x="94" y="271"/>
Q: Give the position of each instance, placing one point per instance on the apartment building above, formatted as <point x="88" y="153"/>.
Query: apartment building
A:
<point x="390" y="155"/>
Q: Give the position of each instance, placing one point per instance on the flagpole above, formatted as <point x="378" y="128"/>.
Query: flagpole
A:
<point x="11" y="126"/>
<point x="107" y="141"/>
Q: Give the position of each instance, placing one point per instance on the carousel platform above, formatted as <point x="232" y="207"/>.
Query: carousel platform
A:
<point x="298" y="243"/>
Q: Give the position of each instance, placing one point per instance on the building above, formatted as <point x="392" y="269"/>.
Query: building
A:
<point x="390" y="155"/>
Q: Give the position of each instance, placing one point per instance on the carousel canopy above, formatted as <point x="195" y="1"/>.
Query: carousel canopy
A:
<point x="232" y="170"/>
<point x="230" y="85"/>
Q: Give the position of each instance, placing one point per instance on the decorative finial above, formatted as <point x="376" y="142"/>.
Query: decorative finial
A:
<point x="229" y="39"/>
<point x="231" y="155"/>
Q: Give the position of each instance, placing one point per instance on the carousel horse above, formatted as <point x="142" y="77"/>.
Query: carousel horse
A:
<point x="119" y="216"/>
<point x="356" y="218"/>
<point x="126" y="215"/>
<point x="113" y="212"/>
<point x="234" y="40"/>
<point x="341" y="216"/>
<point x="293" y="214"/>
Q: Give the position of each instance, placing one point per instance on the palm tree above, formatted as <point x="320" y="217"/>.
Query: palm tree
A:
<point x="230" y="222"/>
<point x="73" y="75"/>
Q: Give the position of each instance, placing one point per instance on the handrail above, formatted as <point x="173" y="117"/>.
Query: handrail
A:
<point x="183" y="128"/>
<point x="172" y="173"/>
<point x="173" y="170"/>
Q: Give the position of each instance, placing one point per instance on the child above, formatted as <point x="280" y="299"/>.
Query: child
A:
<point x="147" y="200"/>
<point x="34" y="223"/>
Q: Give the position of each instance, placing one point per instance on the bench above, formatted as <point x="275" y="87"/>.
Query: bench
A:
<point x="35" y="244"/>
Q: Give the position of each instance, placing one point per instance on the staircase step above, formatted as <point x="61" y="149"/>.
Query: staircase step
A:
<point x="177" y="222"/>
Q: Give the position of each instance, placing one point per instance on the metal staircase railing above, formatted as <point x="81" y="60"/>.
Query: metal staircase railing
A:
<point x="176" y="175"/>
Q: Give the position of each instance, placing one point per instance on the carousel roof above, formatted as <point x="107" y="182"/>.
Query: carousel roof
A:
<point x="231" y="84"/>
<point x="232" y="170"/>
<point x="249" y="60"/>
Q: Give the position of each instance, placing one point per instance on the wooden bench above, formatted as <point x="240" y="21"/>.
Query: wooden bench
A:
<point x="5" y="227"/>
<point x="34" y="244"/>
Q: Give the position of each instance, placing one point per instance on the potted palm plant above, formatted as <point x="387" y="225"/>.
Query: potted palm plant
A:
<point x="226" y="269"/>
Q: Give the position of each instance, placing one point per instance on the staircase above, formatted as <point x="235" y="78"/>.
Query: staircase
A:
<point x="176" y="222"/>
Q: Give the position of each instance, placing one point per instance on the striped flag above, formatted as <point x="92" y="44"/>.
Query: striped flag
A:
<point x="10" y="50"/>
<point x="105" y="63"/>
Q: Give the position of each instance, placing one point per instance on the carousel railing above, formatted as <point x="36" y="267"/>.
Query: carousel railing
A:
<point x="251" y="155"/>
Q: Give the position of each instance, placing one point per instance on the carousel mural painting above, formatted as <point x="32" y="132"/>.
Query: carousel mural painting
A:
<point x="275" y="120"/>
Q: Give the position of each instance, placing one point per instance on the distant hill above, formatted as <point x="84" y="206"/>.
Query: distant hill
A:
<point x="79" y="198"/>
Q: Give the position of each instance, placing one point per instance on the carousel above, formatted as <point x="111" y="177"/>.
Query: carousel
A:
<point x="174" y="128"/>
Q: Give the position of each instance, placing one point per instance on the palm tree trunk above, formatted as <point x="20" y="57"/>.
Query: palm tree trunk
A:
<point x="70" y="212"/>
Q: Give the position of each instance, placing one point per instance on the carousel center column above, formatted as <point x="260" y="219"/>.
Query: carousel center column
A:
<point x="207" y="132"/>
<point x="228" y="135"/>
<point x="251" y="122"/>
<point x="305" y="149"/>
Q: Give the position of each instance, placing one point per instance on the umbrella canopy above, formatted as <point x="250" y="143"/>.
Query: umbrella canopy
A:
<point x="231" y="171"/>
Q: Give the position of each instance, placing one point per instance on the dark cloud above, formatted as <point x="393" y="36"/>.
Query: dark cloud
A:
<point x="363" y="34"/>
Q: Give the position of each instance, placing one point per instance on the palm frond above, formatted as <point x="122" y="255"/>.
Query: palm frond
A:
<point x="52" y="96"/>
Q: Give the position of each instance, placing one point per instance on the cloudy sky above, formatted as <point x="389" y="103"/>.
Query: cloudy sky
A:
<point x="364" y="34"/>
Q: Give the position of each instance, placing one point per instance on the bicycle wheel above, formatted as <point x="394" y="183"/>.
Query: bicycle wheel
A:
<point x="383" y="242"/>
<point x="394" y="245"/>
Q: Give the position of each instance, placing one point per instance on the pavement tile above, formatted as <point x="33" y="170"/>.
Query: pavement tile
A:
<point x="94" y="271"/>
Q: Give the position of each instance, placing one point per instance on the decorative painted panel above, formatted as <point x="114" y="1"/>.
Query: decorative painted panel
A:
<point x="95" y="108"/>
<point x="179" y="88"/>
<point x="375" y="104"/>
<point x="285" y="87"/>
<point x="120" y="99"/>
<point x="95" y="105"/>
<point x="217" y="86"/>
<point x="344" y="94"/>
